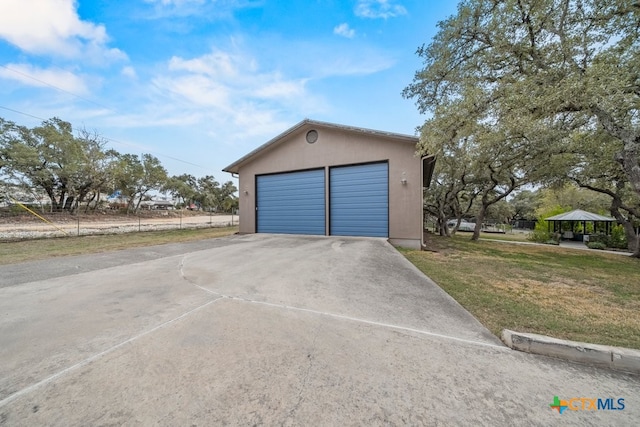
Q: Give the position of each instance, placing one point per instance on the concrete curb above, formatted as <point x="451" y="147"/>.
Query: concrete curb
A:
<point x="617" y="358"/>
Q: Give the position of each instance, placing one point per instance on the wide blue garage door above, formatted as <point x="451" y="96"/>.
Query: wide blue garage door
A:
<point x="291" y="203"/>
<point x="359" y="200"/>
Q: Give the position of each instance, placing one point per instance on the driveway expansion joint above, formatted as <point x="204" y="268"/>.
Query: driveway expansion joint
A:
<point x="348" y="318"/>
<point x="99" y="355"/>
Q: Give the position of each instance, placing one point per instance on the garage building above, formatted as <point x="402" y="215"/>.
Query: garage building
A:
<point x="327" y="179"/>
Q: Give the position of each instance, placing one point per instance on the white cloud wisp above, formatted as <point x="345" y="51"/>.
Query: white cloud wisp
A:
<point x="379" y="9"/>
<point x="54" y="28"/>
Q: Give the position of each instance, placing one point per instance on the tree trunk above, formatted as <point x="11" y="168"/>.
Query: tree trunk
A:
<point x="93" y="196"/>
<point x="130" y="204"/>
<point x="139" y="201"/>
<point x="632" y="238"/>
<point x="442" y="223"/>
<point x="479" y="220"/>
<point x="636" y="252"/>
<point x="56" y="206"/>
<point x="68" y="203"/>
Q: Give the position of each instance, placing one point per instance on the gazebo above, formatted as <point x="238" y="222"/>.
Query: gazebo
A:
<point x="576" y="218"/>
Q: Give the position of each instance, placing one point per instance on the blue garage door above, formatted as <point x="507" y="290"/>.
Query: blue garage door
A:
<point x="359" y="200"/>
<point x="291" y="203"/>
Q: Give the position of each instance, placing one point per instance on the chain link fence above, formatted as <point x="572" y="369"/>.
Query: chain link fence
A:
<point x="38" y="225"/>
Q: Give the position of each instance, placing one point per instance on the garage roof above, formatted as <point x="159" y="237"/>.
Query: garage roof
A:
<point x="235" y="166"/>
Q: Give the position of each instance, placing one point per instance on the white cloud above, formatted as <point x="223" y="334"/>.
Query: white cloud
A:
<point x="275" y="89"/>
<point x="226" y="79"/>
<point x="198" y="90"/>
<point x="177" y="3"/>
<point x="129" y="71"/>
<point x="231" y="90"/>
<point x="379" y="9"/>
<point x="344" y="31"/>
<point x="211" y="9"/>
<point x="217" y="64"/>
<point x="53" y="27"/>
<point x="54" y="78"/>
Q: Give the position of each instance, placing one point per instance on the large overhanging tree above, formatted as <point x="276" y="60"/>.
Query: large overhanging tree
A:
<point x="558" y="66"/>
<point x="596" y="169"/>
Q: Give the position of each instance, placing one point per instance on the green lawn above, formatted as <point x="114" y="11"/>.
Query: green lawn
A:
<point x="579" y="295"/>
<point x="30" y="250"/>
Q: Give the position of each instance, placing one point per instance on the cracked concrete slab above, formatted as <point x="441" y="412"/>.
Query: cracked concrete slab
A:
<point x="266" y="330"/>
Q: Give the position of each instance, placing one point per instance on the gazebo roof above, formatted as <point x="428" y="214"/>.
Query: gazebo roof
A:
<point x="580" y="215"/>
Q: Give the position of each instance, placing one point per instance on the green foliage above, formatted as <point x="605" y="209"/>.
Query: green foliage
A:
<point x="618" y="238"/>
<point x="73" y="169"/>
<point x="599" y="238"/>
<point x="68" y="168"/>
<point x="569" y="196"/>
<point x="596" y="245"/>
<point x="539" y="236"/>
<point x="541" y="233"/>
<point x="542" y="91"/>
<point x="206" y="193"/>
<point x="524" y="205"/>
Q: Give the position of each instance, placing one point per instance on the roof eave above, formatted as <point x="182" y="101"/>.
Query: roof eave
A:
<point x="235" y="166"/>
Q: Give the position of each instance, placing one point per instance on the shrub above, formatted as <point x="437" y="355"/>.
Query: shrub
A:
<point x="540" y="236"/>
<point x="618" y="238"/>
<point x="541" y="232"/>
<point x="596" y="245"/>
<point x="599" y="238"/>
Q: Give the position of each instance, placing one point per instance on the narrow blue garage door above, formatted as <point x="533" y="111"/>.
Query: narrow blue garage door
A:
<point x="359" y="200"/>
<point x="291" y="203"/>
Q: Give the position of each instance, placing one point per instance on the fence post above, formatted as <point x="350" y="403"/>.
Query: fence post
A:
<point x="180" y="219"/>
<point x="78" y="224"/>
<point x="139" y="228"/>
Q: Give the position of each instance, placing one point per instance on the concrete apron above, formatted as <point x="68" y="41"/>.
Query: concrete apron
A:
<point x="271" y="330"/>
<point x="618" y="358"/>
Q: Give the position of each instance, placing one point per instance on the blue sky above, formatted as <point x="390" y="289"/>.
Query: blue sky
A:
<point x="200" y="83"/>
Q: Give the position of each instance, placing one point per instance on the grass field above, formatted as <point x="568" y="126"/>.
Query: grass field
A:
<point x="30" y="250"/>
<point x="564" y="293"/>
<point x="510" y="237"/>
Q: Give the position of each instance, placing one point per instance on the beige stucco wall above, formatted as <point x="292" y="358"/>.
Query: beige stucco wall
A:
<point x="336" y="147"/>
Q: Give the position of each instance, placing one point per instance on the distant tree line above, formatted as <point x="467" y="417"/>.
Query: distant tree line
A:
<point x="75" y="169"/>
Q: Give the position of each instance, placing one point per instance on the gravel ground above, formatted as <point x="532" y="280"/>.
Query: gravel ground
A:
<point x="31" y="230"/>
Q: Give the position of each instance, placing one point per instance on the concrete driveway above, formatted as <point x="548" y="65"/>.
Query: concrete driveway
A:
<point x="273" y="330"/>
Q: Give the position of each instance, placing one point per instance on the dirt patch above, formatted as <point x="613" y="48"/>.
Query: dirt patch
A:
<point x="437" y="245"/>
<point x="574" y="298"/>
